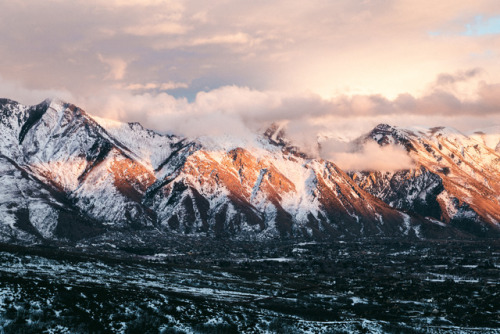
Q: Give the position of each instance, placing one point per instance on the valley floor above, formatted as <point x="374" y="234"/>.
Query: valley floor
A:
<point x="214" y="286"/>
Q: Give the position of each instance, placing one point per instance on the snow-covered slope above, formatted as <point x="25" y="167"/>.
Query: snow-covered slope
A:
<point x="456" y="179"/>
<point x="67" y="175"/>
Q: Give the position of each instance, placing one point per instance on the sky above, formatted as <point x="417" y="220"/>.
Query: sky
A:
<point x="193" y="67"/>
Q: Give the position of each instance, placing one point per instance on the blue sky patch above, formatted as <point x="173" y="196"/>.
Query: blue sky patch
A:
<point x="482" y="26"/>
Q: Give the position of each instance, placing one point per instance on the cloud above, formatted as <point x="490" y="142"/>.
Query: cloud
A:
<point x="371" y="157"/>
<point x="137" y="86"/>
<point x="135" y="3"/>
<point x="116" y="67"/>
<point x="241" y="113"/>
<point x="17" y="92"/>
<point x="165" y="28"/>
<point x="173" y="85"/>
<point x="265" y="107"/>
<point x="306" y="114"/>
<point x="450" y="95"/>
<point x="237" y="38"/>
<point x="153" y="86"/>
<point x="460" y="76"/>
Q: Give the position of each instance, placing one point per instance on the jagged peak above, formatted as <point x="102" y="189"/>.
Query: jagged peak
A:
<point x="53" y="102"/>
<point x="383" y="127"/>
<point x="135" y="124"/>
<point x="48" y="100"/>
<point x="276" y="133"/>
<point x="61" y="105"/>
<point x="385" y="134"/>
<point x="384" y="130"/>
<point x="43" y="105"/>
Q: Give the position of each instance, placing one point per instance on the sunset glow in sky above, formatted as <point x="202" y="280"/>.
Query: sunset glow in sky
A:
<point x="184" y="66"/>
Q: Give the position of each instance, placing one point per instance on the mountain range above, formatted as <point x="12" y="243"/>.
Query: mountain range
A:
<point x="67" y="176"/>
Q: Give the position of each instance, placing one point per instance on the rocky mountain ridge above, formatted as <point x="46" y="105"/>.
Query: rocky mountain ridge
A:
<point x="68" y="176"/>
<point x="455" y="179"/>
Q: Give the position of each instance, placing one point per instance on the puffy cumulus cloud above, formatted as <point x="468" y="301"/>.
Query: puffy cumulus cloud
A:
<point x="307" y="116"/>
<point x="451" y="94"/>
<point x="461" y="83"/>
<point x="371" y="157"/>
<point x="230" y="110"/>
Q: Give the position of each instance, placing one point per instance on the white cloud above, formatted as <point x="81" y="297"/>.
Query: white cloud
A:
<point x="17" y="92"/>
<point x="173" y="85"/>
<point x="307" y="115"/>
<point x="153" y="86"/>
<point x="237" y="38"/>
<point x="138" y="86"/>
<point x="370" y="157"/>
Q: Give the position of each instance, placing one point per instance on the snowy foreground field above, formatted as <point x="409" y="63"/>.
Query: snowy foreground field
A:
<point x="200" y="286"/>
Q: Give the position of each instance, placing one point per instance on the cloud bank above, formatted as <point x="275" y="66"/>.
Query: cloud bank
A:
<point x="309" y="112"/>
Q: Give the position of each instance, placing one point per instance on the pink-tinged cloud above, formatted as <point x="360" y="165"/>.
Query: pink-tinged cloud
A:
<point x="371" y="157"/>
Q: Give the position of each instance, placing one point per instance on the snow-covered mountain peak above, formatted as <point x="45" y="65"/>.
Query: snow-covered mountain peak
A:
<point x="385" y="134"/>
<point x="59" y="105"/>
<point x="383" y="127"/>
<point x="65" y="171"/>
<point x="387" y="131"/>
<point x="456" y="176"/>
